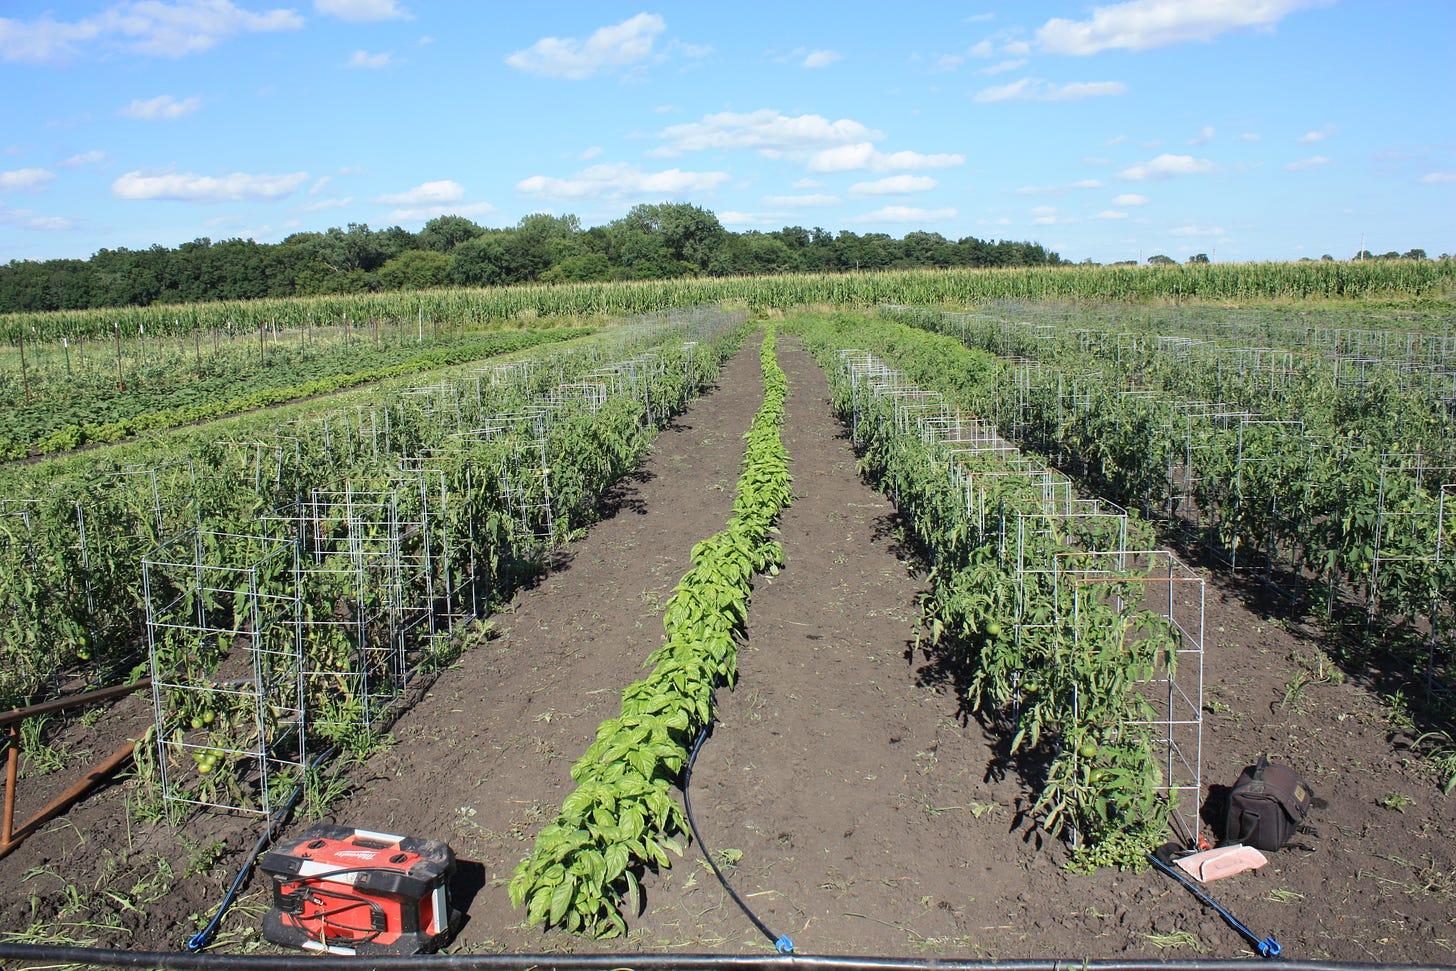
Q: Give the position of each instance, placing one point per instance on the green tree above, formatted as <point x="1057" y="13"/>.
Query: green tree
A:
<point x="752" y="253"/>
<point x="443" y="233"/>
<point x="481" y="262"/>
<point x="538" y="241"/>
<point x="1161" y="260"/>
<point x="582" y="268"/>
<point x="1198" y="258"/>
<point x="689" y="235"/>
<point x="415" y="270"/>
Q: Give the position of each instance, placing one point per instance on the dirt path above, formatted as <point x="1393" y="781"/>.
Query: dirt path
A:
<point x="839" y="789"/>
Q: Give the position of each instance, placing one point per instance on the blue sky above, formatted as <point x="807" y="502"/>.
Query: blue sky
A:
<point x="1243" y="129"/>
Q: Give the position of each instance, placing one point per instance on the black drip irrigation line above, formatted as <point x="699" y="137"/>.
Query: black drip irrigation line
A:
<point x="183" y="961"/>
<point x="781" y="942"/>
<point x="204" y="937"/>
<point x="1267" y="946"/>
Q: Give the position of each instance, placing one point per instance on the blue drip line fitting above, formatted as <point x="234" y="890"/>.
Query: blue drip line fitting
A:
<point x="785" y="946"/>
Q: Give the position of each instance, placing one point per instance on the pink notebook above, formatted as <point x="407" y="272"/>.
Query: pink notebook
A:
<point x="1222" y="861"/>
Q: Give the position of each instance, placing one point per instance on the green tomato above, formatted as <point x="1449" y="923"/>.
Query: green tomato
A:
<point x="208" y="717"/>
<point x="204" y="767"/>
<point x="1088" y="749"/>
<point x="196" y="722"/>
<point x="994" y="629"/>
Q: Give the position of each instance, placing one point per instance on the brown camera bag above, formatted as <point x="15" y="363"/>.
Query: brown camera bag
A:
<point x="1268" y="805"/>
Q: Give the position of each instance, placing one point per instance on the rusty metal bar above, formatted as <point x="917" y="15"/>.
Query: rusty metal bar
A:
<point x="10" y="837"/>
<point x="46" y="707"/>
<point x="99" y="773"/>
<point x="12" y="772"/>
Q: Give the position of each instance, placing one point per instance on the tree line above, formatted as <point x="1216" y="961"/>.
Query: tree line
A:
<point x="653" y="241"/>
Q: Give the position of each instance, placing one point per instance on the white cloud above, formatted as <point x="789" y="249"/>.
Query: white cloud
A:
<point x="1248" y="136"/>
<point x="320" y="184"/>
<point x="821" y="58"/>
<point x="25" y="179"/>
<point x="1197" y="231"/>
<point x="1017" y="48"/>
<point x="1166" y="166"/>
<point x="804" y="184"/>
<point x="618" y="181"/>
<point x="619" y="45"/>
<point x="1141" y="25"/>
<point x="163" y="107"/>
<point x="325" y="204"/>
<point x="362" y="10"/>
<point x="188" y="187"/>
<point x="1044" y="215"/>
<point x="368" y="61"/>
<point x="94" y="157"/>
<point x="1305" y="164"/>
<point x="29" y="219"/>
<point x="1318" y="135"/>
<point x="151" y="27"/>
<point x="50" y="222"/>
<point x="1003" y="66"/>
<point x="443" y="190"/>
<point x="894" y="185"/>
<point x="594" y="151"/>
<point x="983" y="49"/>
<point x="1035" y="89"/>
<point x="1034" y="190"/>
<point x="946" y="63"/>
<point x="420" y="214"/>
<point x="1130" y="199"/>
<point x="1204" y="136"/>
<point x="1110" y="214"/>
<point x="765" y="131"/>
<point x="907" y="214"/>
<point x="694" y="51"/>
<point x="806" y="201"/>
<point x="1438" y="178"/>
<point x="864" y="156"/>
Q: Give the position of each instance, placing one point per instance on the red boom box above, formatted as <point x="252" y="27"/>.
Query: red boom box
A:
<point x="350" y="891"/>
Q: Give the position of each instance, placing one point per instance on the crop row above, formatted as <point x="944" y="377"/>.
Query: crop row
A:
<point x="310" y="635"/>
<point x="488" y="467"/>
<point x="622" y="819"/>
<point x="1338" y="491"/>
<point x="172" y="393"/>
<point x="1063" y="628"/>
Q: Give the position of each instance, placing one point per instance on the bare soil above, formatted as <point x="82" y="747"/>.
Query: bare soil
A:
<point x="850" y="800"/>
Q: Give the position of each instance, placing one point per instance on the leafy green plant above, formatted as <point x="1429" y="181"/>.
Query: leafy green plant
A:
<point x="1055" y="663"/>
<point x="622" y="819"/>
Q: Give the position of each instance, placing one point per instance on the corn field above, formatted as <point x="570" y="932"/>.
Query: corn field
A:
<point x="468" y="309"/>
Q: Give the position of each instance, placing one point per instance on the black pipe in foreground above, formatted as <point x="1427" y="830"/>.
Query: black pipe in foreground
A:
<point x="182" y="961"/>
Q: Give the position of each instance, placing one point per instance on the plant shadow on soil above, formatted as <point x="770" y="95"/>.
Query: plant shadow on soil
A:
<point x="946" y="666"/>
<point x="1385" y="659"/>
